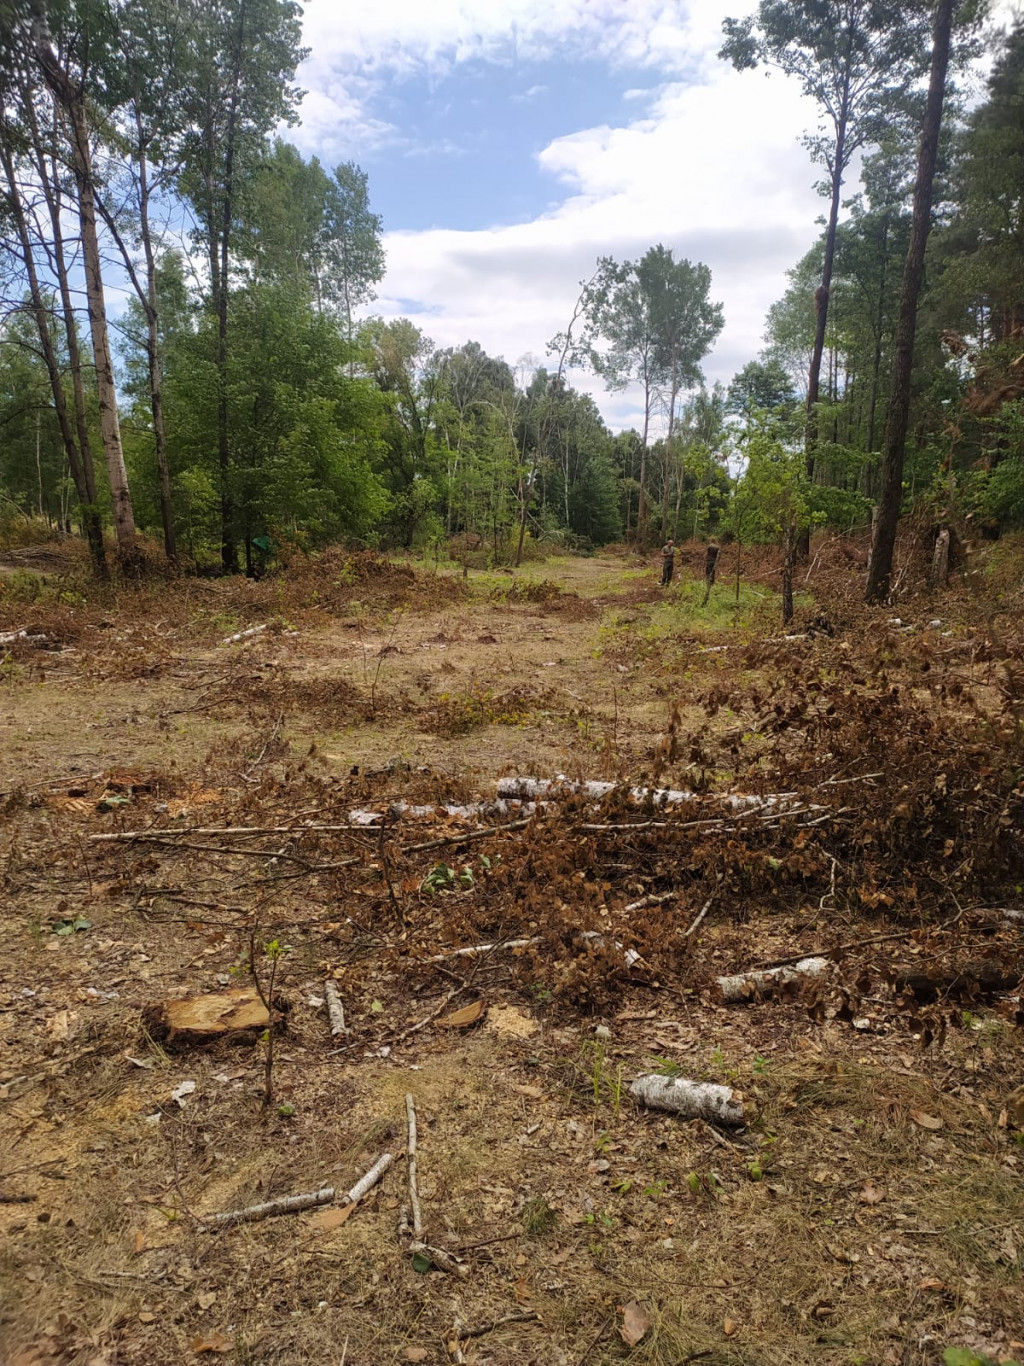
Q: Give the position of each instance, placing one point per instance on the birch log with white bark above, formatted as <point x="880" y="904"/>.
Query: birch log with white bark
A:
<point x="335" y="1010"/>
<point x="757" y="986"/>
<point x="691" y="1099"/>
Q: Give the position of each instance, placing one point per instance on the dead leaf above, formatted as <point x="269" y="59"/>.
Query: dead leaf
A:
<point x="926" y="1121"/>
<point x="416" y="1354"/>
<point x="329" y="1219"/>
<point x="530" y="1092"/>
<point x="522" y="1290"/>
<point x="728" y="1328"/>
<point x="212" y="1342"/>
<point x="871" y="1194"/>
<point x="460" y="1019"/>
<point x="932" y="1283"/>
<point x="139" y="1242"/>
<point x="206" y="1299"/>
<point x="635" y="1323"/>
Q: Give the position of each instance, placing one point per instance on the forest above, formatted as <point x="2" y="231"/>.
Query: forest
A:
<point x="479" y="885"/>
<point x="248" y="393"/>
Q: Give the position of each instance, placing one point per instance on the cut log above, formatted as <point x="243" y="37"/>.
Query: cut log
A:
<point x="691" y="1099"/>
<point x="201" y="1019"/>
<point x="539" y="788"/>
<point x="970" y="982"/>
<point x="335" y="1010"/>
<point x="244" y="635"/>
<point x="758" y="986"/>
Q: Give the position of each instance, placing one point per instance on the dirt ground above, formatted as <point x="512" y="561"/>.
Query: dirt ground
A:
<point x="179" y="807"/>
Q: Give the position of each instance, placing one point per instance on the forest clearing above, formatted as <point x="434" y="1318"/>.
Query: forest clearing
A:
<point x="188" y="798"/>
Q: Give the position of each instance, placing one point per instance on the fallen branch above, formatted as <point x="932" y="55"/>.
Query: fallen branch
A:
<point x="259" y="758"/>
<point x="410" y="1157"/>
<point x="476" y="950"/>
<point x="760" y="985"/>
<point x="295" y="1204"/>
<point x="534" y="788"/>
<point x="480" y="1329"/>
<point x="286" y="1204"/>
<point x="703" y="912"/>
<point x="244" y="635"/>
<point x="692" y="1099"/>
<point x="366" y="1183"/>
<point x="335" y="1010"/>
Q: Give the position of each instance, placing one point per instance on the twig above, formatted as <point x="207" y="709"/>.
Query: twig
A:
<point x="467" y="836"/>
<point x="595" y="1340"/>
<point x="8" y="1199"/>
<point x="858" y="944"/>
<point x="335" y="1010"/>
<point x="414" y="1191"/>
<point x="703" y="912"/>
<point x="259" y="758"/>
<point x="478" y="1330"/>
<point x="123" y="836"/>
<point x="489" y="1242"/>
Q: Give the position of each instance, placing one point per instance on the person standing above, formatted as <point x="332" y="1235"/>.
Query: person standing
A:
<point x="668" y="562"/>
<point x="710" y="568"/>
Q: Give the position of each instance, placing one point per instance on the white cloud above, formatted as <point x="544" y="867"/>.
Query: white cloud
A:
<point x="714" y="171"/>
<point x="711" y="165"/>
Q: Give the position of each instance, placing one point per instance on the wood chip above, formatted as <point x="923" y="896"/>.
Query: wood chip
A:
<point x="462" y="1019"/>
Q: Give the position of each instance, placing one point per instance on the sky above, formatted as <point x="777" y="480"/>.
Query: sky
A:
<point x="509" y="143"/>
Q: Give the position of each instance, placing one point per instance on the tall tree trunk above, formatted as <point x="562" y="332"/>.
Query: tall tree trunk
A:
<point x="90" y="512"/>
<point x="49" y="179"/>
<point x="641" y="510"/>
<point x="879" y="323"/>
<point x="897" y="419"/>
<point x="156" y="381"/>
<point x="70" y="99"/>
<point x="821" y="297"/>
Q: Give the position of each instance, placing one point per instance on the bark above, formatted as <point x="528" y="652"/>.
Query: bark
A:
<point x="81" y="474"/>
<point x="156" y="382"/>
<point x="940" y="561"/>
<point x="691" y="1099"/>
<point x="897" y="419"/>
<point x="70" y="99"/>
<point x="335" y="1010"/>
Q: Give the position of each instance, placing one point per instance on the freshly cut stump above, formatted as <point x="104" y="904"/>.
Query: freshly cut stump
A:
<point x="200" y="1019"/>
<point x="691" y="1099"/>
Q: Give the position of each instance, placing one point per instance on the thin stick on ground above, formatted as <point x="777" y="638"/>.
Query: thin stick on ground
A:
<point x="479" y="1329"/>
<point x="414" y="1190"/>
<point x="268" y="1209"/>
<point x="703" y="912"/>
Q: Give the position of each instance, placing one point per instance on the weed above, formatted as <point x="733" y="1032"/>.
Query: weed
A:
<point x="537" y="1217"/>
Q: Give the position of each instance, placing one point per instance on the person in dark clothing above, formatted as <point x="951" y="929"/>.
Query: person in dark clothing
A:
<point x="668" y="562"/>
<point x="710" y="568"/>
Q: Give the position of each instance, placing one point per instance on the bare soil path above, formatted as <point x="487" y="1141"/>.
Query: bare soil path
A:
<point x="870" y="1211"/>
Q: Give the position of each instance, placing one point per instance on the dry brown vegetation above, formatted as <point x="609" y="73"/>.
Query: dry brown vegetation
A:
<point x="870" y="1212"/>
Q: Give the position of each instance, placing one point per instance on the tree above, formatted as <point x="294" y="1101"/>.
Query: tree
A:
<point x="68" y="74"/>
<point x="857" y="59"/>
<point x="884" y="540"/>
<point x="761" y="384"/>
<point x="245" y="55"/>
<point x="656" y="322"/>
